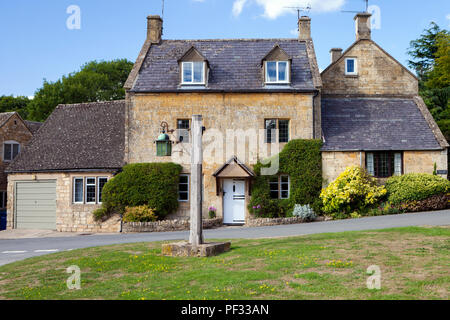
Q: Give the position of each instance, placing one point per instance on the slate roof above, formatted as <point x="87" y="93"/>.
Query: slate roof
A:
<point x="4" y="116"/>
<point x="235" y="65"/>
<point x="364" y="124"/>
<point x="33" y="126"/>
<point x="77" y="137"/>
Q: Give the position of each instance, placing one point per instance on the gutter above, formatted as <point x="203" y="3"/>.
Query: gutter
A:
<point x="228" y="91"/>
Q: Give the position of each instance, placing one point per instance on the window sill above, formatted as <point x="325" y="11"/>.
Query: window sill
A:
<point x="354" y="76"/>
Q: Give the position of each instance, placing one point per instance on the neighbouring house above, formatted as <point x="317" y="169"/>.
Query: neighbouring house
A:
<point x="15" y="133"/>
<point x="56" y="182"/>
<point x="373" y="116"/>
<point x="255" y="95"/>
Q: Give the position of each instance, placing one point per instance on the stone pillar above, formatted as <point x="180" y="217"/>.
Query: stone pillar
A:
<point x="196" y="234"/>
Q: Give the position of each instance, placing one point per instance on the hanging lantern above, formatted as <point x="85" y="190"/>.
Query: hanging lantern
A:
<point x="163" y="145"/>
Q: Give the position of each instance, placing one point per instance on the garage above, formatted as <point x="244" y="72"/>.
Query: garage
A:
<point x="35" y="206"/>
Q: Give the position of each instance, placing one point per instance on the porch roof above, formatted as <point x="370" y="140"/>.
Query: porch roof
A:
<point x="234" y="168"/>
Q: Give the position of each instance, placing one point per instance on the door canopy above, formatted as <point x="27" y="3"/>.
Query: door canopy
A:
<point x="234" y="168"/>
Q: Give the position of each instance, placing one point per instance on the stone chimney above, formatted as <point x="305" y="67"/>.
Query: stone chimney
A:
<point x="336" y="53"/>
<point x="304" y="27"/>
<point x="363" y="28"/>
<point x="154" y="29"/>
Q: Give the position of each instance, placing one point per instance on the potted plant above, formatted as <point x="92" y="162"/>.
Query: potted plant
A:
<point x="212" y="212"/>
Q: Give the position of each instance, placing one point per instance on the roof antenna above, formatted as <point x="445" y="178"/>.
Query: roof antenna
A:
<point x="367" y="8"/>
<point x="306" y="9"/>
<point x="162" y="17"/>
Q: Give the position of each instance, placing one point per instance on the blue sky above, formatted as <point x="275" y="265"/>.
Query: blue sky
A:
<point x="36" y="43"/>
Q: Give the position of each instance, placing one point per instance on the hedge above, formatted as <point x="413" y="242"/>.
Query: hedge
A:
<point x="302" y="161"/>
<point x="149" y="184"/>
<point x="415" y="187"/>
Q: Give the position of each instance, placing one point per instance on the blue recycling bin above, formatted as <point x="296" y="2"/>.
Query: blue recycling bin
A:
<point x="2" y="220"/>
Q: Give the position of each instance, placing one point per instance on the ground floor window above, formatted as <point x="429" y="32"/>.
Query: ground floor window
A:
<point x="88" y="190"/>
<point x="183" y="188"/>
<point x="280" y="187"/>
<point x="3" y="199"/>
<point x="384" y="164"/>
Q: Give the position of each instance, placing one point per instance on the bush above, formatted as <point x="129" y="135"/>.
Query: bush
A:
<point x="386" y="208"/>
<point x="302" y="161"/>
<point x="415" y="187"/>
<point x="152" y="184"/>
<point x="306" y="213"/>
<point x="139" y="214"/>
<point x="437" y="202"/>
<point x="354" y="190"/>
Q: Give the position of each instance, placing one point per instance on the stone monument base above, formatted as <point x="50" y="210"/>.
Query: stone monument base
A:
<point x="185" y="249"/>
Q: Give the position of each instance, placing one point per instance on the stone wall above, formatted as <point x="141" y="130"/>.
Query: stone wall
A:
<point x="221" y="112"/>
<point x="69" y="217"/>
<point x="13" y="130"/>
<point x="378" y="74"/>
<point x="167" y="225"/>
<point x="334" y="163"/>
<point x="263" y="222"/>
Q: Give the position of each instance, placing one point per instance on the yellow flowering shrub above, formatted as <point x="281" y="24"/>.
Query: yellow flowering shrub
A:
<point x="352" y="191"/>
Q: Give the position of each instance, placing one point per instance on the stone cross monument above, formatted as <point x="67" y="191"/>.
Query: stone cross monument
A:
<point x="196" y="234"/>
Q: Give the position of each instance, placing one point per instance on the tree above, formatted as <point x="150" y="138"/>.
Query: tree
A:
<point x="18" y="104"/>
<point x="96" y="81"/>
<point x="439" y="76"/>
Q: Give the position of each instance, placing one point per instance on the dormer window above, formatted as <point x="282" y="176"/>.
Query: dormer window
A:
<point x="277" y="72"/>
<point x="193" y="72"/>
<point x="351" y="67"/>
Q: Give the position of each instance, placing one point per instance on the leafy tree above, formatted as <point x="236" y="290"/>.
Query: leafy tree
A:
<point x="96" y="81"/>
<point x="439" y="76"/>
<point x="11" y="103"/>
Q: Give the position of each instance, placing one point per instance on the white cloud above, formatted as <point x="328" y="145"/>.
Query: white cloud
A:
<point x="275" y="8"/>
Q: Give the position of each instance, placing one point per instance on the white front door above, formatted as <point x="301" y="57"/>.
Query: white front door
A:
<point x="234" y="201"/>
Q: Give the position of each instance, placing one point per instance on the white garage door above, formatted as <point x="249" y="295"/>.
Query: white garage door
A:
<point x="36" y="205"/>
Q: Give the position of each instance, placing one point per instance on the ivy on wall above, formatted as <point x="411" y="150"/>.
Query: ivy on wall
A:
<point x="302" y="161"/>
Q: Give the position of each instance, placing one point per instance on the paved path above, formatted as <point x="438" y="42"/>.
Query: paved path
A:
<point x="19" y="249"/>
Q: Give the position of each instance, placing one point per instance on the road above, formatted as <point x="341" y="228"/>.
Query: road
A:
<point x="19" y="249"/>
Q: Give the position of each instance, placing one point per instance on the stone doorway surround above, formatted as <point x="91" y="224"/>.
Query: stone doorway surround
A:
<point x="234" y="169"/>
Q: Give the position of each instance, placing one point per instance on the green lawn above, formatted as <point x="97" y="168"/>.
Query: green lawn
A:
<point x="415" y="264"/>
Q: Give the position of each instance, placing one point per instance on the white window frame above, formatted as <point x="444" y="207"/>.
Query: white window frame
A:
<point x="289" y="186"/>
<point x="86" y="185"/>
<point x="74" y="194"/>
<point x="188" y="190"/>
<point x="355" y="72"/>
<point x="192" y="66"/>
<point x="12" y="143"/>
<point x="98" y="188"/>
<point x="288" y="72"/>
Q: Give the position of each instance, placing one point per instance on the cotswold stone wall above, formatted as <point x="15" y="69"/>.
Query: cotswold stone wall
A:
<point x="334" y="163"/>
<point x="378" y="74"/>
<point x="262" y="222"/>
<point x="13" y="130"/>
<point x="69" y="217"/>
<point x="221" y="112"/>
<point x="167" y="225"/>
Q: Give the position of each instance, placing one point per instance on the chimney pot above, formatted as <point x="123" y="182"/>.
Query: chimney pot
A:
<point x="154" y="29"/>
<point x="336" y="53"/>
<point x="363" y="28"/>
<point x="304" y="27"/>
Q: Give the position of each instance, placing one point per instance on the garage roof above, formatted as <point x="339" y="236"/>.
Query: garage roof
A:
<point x="78" y="137"/>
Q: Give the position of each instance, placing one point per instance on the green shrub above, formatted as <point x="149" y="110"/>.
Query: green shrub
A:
<point x="151" y="184"/>
<point x="386" y="208"/>
<point x="100" y="213"/>
<point x="302" y="161"/>
<point x="436" y="202"/>
<point x="139" y="214"/>
<point x="354" y="190"/>
<point x="306" y="213"/>
<point x="415" y="187"/>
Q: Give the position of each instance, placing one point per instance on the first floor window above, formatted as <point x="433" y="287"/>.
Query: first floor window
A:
<point x="279" y="187"/>
<point x="10" y="150"/>
<point x="183" y="188"/>
<point x="193" y="72"/>
<point x="3" y="199"/>
<point x="183" y="130"/>
<point x="350" y="66"/>
<point x="272" y="125"/>
<point x="384" y="164"/>
<point x="277" y="71"/>
<point x="101" y="184"/>
<point x="78" y="190"/>
<point x="90" y="190"/>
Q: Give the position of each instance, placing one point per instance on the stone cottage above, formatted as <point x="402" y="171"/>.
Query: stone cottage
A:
<point x="56" y="182"/>
<point x="254" y="95"/>
<point x="15" y="133"/>
<point x="373" y="116"/>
